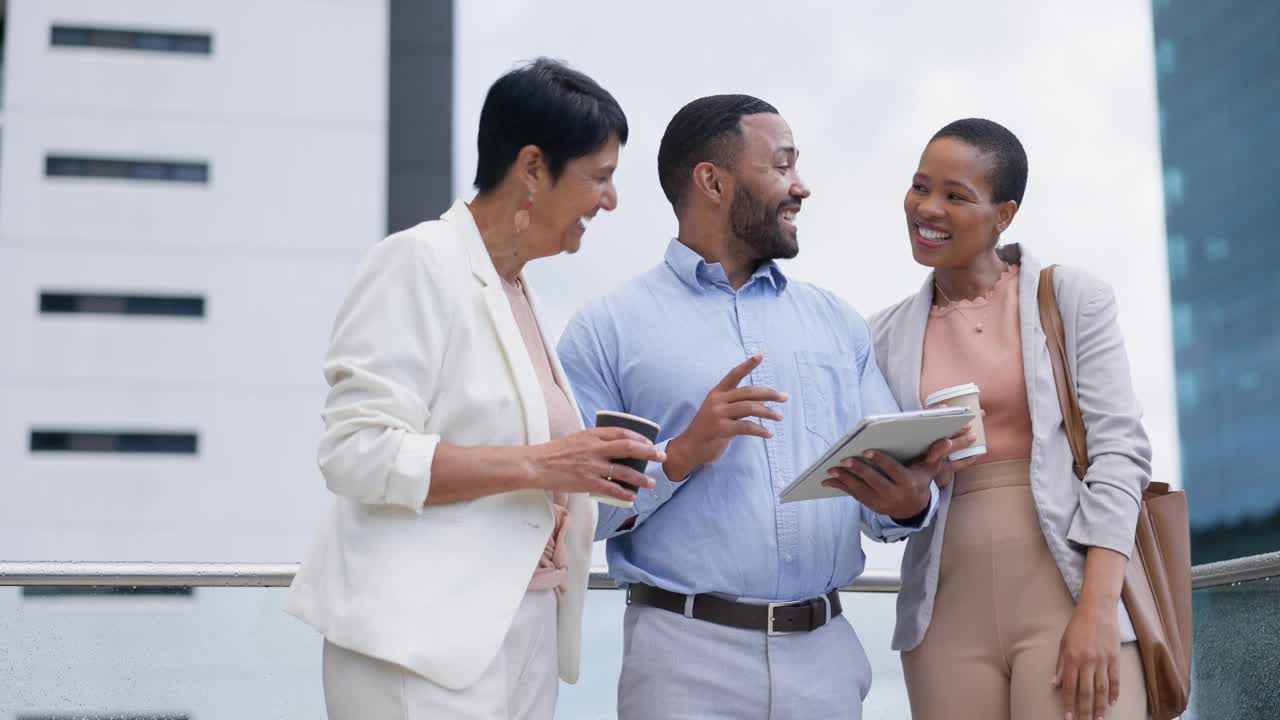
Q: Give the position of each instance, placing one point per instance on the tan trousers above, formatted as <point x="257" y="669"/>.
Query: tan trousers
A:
<point x="520" y="684"/>
<point x="999" y="614"/>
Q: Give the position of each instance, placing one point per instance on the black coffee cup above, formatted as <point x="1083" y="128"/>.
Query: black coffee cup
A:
<point x="639" y="425"/>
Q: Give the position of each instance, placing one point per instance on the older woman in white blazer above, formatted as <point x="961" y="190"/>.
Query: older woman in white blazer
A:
<point x="448" y="579"/>
<point x="1010" y="604"/>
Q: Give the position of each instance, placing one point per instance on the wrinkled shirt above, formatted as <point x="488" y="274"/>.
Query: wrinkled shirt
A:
<point x="655" y="348"/>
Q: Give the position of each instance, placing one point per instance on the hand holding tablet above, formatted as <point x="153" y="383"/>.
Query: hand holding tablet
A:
<point x="903" y="437"/>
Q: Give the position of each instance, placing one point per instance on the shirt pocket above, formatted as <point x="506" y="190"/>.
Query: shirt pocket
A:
<point x="829" y="393"/>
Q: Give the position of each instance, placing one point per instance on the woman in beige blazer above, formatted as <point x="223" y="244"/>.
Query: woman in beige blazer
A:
<point x="448" y="579"/>
<point x="1010" y="604"/>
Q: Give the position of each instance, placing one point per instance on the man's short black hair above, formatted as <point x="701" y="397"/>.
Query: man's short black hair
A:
<point x="708" y="129"/>
<point x="1008" y="159"/>
<point x="546" y="104"/>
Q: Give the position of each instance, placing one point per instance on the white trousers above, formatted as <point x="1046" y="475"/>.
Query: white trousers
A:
<point x="521" y="683"/>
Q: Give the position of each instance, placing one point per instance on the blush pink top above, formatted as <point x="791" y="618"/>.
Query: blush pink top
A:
<point x="955" y="353"/>
<point x="562" y="419"/>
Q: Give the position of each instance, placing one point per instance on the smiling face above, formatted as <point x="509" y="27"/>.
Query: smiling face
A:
<point x="563" y="208"/>
<point x="952" y="218"/>
<point x="767" y="190"/>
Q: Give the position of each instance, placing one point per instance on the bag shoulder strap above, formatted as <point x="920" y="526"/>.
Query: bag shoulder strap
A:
<point x="1056" y="336"/>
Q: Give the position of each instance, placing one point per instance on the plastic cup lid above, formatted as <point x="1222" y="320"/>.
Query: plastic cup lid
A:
<point x="954" y="391"/>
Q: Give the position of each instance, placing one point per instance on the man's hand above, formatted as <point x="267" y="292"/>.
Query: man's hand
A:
<point x="886" y="486"/>
<point x="721" y="418"/>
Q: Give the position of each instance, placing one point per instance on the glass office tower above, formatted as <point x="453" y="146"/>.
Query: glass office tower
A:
<point x="1217" y="68"/>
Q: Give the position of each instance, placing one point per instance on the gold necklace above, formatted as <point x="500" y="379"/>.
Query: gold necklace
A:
<point x="980" y="325"/>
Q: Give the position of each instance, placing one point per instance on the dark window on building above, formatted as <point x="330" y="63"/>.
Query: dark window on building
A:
<point x="44" y="591"/>
<point x="120" y="39"/>
<point x="66" y="303"/>
<point x="143" y="443"/>
<point x="125" y="169"/>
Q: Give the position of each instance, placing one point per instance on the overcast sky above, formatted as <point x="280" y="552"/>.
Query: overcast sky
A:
<point x="863" y="86"/>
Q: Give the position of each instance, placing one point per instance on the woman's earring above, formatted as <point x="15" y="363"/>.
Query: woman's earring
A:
<point x="522" y="216"/>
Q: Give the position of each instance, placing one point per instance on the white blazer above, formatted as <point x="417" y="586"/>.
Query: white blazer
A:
<point x="425" y="350"/>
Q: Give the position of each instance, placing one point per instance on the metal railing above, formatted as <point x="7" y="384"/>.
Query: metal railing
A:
<point x="202" y="574"/>
<point x="248" y="574"/>
<point x="1237" y="570"/>
<point x="145" y="574"/>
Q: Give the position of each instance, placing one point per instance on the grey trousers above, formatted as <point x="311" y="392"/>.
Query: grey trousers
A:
<point x="675" y="667"/>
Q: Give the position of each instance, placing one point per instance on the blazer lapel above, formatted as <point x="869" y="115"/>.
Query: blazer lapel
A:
<point x="504" y="322"/>
<point x="517" y="354"/>
<point x="557" y="371"/>
<point x="1035" y="353"/>
<point x="911" y="340"/>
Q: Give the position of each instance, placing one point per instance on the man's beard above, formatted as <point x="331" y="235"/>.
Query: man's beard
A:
<point x="760" y="227"/>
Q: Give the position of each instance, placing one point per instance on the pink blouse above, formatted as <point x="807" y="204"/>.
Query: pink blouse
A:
<point x="552" y="570"/>
<point x="955" y="353"/>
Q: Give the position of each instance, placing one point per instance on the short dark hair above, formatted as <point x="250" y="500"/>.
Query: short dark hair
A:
<point x="708" y="129"/>
<point x="1008" y="159"/>
<point x="544" y="103"/>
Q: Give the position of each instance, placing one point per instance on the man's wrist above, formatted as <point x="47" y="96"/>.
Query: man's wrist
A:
<point x="676" y="467"/>
<point x="915" y="520"/>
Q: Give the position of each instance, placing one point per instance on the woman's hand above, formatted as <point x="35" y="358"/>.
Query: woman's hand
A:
<point x="1088" y="658"/>
<point x="948" y="469"/>
<point x="583" y="462"/>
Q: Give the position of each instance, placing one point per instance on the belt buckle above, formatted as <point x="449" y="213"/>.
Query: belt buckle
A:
<point x="773" y="606"/>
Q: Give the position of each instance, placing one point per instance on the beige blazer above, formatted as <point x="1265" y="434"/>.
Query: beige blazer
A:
<point x="425" y="350"/>
<point x="1101" y="511"/>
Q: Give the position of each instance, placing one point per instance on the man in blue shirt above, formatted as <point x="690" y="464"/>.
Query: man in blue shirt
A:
<point x="707" y="550"/>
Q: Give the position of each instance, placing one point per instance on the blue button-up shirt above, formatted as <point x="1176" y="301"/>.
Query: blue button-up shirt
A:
<point x="654" y="348"/>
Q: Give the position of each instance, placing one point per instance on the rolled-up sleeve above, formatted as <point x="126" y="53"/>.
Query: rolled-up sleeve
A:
<point x="383" y="361"/>
<point x="647" y="502"/>
<point x="1119" y="451"/>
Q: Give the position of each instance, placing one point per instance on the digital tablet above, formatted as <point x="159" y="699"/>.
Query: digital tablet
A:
<point x="903" y="436"/>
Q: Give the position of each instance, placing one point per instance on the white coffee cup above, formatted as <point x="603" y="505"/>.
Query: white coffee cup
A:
<point x="962" y="396"/>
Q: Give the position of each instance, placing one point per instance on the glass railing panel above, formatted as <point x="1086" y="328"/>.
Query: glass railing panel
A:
<point x="170" y="650"/>
<point x="180" y="652"/>
<point x="208" y="652"/>
<point x="1236" y="651"/>
<point x="872" y="616"/>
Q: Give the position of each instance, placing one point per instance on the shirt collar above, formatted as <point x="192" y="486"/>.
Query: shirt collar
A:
<point x="702" y="276"/>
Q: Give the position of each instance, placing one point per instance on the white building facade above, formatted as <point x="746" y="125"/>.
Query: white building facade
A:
<point x="185" y="189"/>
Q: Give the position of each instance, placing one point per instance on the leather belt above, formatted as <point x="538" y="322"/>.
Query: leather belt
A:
<point x="779" y="618"/>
